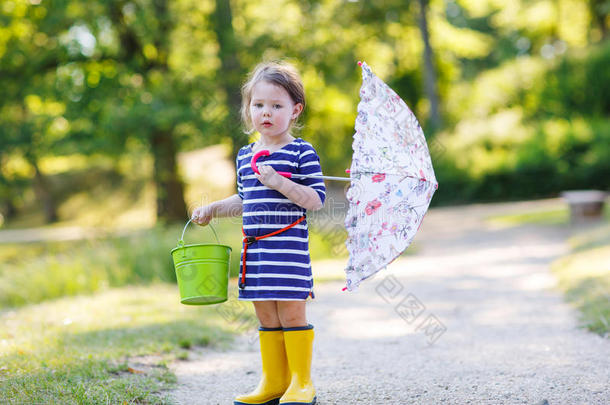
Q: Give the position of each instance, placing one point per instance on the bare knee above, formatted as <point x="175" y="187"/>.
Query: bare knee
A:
<point x="292" y="314"/>
<point x="267" y="314"/>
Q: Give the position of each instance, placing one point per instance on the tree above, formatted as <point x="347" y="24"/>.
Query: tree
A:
<point x="145" y="53"/>
<point x="31" y="124"/>
<point x="600" y="9"/>
<point x="231" y="72"/>
<point x="429" y="69"/>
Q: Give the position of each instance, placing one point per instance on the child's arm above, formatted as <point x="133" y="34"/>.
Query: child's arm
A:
<point x="299" y="194"/>
<point x="229" y="207"/>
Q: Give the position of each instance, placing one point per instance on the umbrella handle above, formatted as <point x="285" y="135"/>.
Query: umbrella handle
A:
<point x="265" y="153"/>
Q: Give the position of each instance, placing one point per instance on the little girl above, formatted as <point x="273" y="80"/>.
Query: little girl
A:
<point x="275" y="273"/>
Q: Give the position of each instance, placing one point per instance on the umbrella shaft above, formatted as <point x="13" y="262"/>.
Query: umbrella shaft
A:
<point x="305" y="176"/>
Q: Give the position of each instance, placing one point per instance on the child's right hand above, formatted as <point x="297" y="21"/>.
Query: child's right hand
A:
<point x="202" y="215"/>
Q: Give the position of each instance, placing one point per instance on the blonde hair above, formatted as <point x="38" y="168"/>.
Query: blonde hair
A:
<point x="279" y="73"/>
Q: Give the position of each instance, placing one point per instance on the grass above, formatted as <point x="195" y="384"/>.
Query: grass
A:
<point x="555" y="216"/>
<point x="112" y="347"/>
<point x="549" y="217"/>
<point x="592" y="238"/>
<point x="34" y="272"/>
<point x="584" y="277"/>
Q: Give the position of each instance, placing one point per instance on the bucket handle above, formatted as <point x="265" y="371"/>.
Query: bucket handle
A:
<point x="181" y="241"/>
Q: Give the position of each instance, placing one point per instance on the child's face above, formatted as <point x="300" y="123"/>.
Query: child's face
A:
<point x="272" y="110"/>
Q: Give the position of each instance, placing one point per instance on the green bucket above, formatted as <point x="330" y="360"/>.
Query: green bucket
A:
<point x="202" y="271"/>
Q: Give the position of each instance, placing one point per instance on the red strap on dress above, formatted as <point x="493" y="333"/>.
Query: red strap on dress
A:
<point x="248" y="240"/>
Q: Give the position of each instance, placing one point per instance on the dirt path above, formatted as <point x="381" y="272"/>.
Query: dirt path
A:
<point x="473" y="318"/>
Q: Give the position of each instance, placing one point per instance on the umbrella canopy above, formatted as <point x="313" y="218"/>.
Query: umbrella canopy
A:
<point x="392" y="180"/>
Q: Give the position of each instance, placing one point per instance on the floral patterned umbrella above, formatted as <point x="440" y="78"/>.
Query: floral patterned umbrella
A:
<point x="392" y="180"/>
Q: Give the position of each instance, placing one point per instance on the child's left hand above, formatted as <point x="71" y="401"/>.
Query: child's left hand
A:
<point x="269" y="177"/>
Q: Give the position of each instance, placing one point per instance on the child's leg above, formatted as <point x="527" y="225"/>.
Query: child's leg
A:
<point x="267" y="313"/>
<point x="291" y="314"/>
<point x="298" y="339"/>
<point x="275" y="376"/>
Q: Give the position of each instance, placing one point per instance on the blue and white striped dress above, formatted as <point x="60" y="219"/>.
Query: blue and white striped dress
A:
<point x="277" y="267"/>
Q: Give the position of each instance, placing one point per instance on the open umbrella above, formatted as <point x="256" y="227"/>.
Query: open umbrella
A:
<point x="392" y="180"/>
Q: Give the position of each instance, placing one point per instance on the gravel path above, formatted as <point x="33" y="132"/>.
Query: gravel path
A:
<point x="474" y="318"/>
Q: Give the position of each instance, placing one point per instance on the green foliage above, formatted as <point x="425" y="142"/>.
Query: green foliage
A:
<point x="37" y="272"/>
<point x="530" y="131"/>
<point x="111" y="347"/>
<point x="584" y="276"/>
<point x="101" y="77"/>
<point x="537" y="161"/>
<point x="580" y="84"/>
<point x="326" y="242"/>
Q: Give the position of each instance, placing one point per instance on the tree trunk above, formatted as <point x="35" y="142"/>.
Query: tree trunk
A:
<point x="430" y="80"/>
<point x="10" y="211"/>
<point x="7" y="207"/>
<point x="555" y="34"/>
<point x="231" y="71"/>
<point x="169" y="187"/>
<point x="43" y="193"/>
<point x="599" y="16"/>
<point x="170" y="191"/>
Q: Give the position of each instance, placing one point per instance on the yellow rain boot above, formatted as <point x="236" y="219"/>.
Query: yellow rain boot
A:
<point x="276" y="376"/>
<point x="299" y="348"/>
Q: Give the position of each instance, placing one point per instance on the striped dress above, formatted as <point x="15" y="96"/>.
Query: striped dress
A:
<point x="277" y="267"/>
